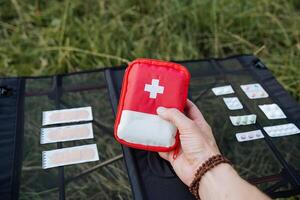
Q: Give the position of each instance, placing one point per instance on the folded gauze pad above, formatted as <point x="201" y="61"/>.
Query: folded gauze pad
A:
<point x="148" y="84"/>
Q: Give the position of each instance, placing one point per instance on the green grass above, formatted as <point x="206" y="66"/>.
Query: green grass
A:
<point x="48" y="37"/>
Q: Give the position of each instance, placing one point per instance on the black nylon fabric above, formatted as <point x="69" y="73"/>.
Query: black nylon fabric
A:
<point x="271" y="163"/>
<point x="92" y="180"/>
<point x="11" y="134"/>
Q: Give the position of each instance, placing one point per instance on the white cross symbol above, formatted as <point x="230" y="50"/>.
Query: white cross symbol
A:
<point x="154" y="88"/>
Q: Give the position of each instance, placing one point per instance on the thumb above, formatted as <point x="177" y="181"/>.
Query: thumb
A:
<point x="177" y="118"/>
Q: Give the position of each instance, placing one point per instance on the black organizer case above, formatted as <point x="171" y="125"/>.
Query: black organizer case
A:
<point x="270" y="163"/>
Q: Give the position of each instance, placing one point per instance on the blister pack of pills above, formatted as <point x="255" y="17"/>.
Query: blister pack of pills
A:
<point x="272" y="111"/>
<point x="223" y="90"/>
<point x="282" y="130"/>
<point x="233" y="103"/>
<point x="243" y="120"/>
<point x="254" y="91"/>
<point x="250" y="135"/>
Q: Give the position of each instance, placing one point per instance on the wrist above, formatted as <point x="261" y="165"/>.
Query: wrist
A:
<point x="202" y="156"/>
<point x="219" y="175"/>
<point x="223" y="182"/>
<point x="207" y="166"/>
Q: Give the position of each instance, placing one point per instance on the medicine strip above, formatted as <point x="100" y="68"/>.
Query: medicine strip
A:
<point x="250" y="135"/>
<point x="223" y="90"/>
<point x="69" y="156"/>
<point x="67" y="133"/>
<point x="254" y="91"/>
<point x="233" y="103"/>
<point x="272" y="111"/>
<point x="282" y="130"/>
<point x="243" y="120"/>
<point x="67" y="115"/>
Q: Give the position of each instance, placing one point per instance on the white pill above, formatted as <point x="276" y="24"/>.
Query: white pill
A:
<point x="258" y="134"/>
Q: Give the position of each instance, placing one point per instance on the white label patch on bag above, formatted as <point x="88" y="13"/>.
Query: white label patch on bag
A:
<point x="66" y="133"/>
<point x="233" y="103"/>
<point x="254" y="91"/>
<point x="69" y="156"/>
<point x="223" y="90"/>
<point x="243" y="120"/>
<point x="282" y="130"/>
<point x="247" y="136"/>
<point x="146" y="129"/>
<point x="67" y="115"/>
<point x="272" y="111"/>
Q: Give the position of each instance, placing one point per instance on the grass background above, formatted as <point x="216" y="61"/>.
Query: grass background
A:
<point x="48" y="37"/>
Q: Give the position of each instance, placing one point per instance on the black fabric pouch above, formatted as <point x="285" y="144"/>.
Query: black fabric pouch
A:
<point x="270" y="163"/>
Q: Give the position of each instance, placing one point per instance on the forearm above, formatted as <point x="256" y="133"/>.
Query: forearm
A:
<point x="223" y="182"/>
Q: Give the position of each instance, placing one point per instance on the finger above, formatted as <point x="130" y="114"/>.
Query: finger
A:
<point x="175" y="117"/>
<point x="164" y="155"/>
<point x="194" y="113"/>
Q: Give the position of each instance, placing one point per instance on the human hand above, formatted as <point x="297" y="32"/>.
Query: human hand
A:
<point x="197" y="143"/>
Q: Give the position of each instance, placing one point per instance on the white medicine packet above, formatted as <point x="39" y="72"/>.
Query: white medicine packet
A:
<point x="222" y="90"/>
<point x="243" y="120"/>
<point x="254" y="91"/>
<point x="233" y="103"/>
<point x="272" y="111"/>
<point x="250" y="135"/>
<point x="282" y="130"/>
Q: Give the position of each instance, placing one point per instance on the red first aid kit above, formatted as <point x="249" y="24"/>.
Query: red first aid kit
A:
<point x="148" y="84"/>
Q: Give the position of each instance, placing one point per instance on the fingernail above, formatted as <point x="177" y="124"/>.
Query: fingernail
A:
<point x="160" y="110"/>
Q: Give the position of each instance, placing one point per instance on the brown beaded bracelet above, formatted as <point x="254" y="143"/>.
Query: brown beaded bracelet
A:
<point x="206" y="166"/>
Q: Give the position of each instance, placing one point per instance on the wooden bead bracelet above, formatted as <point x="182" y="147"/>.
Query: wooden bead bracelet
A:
<point x="205" y="167"/>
